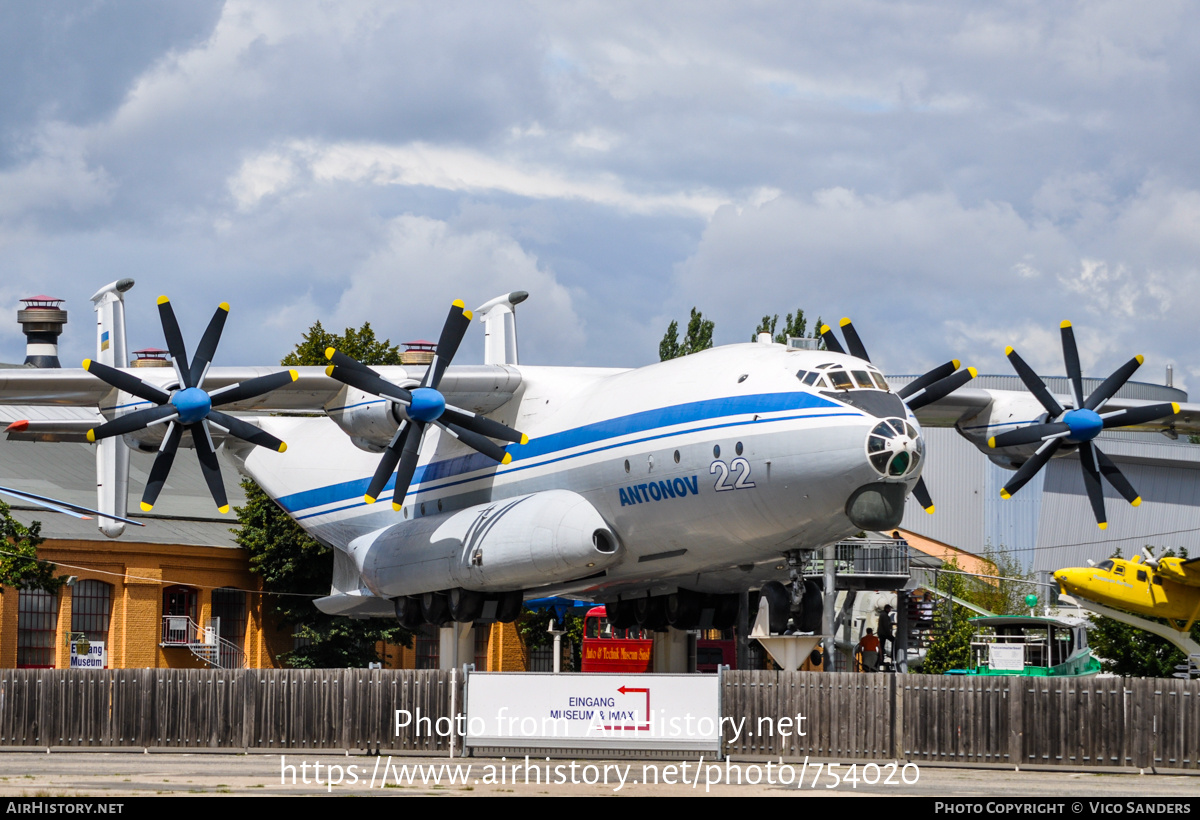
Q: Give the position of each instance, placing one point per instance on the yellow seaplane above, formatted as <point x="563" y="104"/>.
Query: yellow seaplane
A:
<point x="1166" y="588"/>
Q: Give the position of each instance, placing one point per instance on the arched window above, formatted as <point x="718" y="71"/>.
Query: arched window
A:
<point x="91" y="606"/>
<point x="37" y="625"/>
<point x="179" y="600"/>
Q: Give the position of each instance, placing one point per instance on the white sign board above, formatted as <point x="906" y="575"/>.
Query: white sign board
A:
<point x="595" y="711"/>
<point x="1007" y="657"/>
<point x="95" y="658"/>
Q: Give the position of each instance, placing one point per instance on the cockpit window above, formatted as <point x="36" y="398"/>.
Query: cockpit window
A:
<point x="1105" y="566"/>
<point x="811" y="378"/>
<point x="863" y="379"/>
<point x="880" y="382"/>
<point x="840" y="379"/>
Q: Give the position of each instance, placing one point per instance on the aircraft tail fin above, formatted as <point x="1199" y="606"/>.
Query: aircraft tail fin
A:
<point x="500" y="327"/>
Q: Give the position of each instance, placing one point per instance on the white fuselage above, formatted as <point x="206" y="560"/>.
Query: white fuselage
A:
<point x="707" y="468"/>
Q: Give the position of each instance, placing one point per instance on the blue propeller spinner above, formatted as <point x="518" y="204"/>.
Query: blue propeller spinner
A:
<point x="187" y="406"/>
<point x="421" y="407"/>
<point x="1077" y="426"/>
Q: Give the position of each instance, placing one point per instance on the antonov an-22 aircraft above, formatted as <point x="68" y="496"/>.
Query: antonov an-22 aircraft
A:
<point x="452" y="493"/>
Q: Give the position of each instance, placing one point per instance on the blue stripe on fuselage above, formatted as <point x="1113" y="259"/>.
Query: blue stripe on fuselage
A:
<point x="575" y="437"/>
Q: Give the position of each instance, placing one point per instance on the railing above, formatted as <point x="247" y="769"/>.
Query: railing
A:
<point x="206" y="644"/>
<point x="887" y="557"/>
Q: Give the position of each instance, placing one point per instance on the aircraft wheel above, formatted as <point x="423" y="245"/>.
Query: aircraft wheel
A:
<point x="620" y="614"/>
<point x="726" y="611"/>
<point x="408" y="612"/>
<point x="683" y="609"/>
<point x="509" y="606"/>
<point x="435" y="608"/>
<point x="465" y="605"/>
<point x="779" y="601"/>
<point x="814" y="608"/>
<point x="651" y="612"/>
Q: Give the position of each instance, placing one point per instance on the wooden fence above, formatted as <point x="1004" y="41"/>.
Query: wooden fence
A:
<point x="1085" y="722"/>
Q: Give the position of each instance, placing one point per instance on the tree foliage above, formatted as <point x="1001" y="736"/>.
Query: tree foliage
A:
<point x="698" y="337"/>
<point x="795" y="325"/>
<point x="19" y="564"/>
<point x="297" y="566"/>
<point x="533" y="627"/>
<point x="951" y="646"/>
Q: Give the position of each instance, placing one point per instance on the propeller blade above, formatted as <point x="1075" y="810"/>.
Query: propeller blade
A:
<point x="126" y="382"/>
<point x="1071" y="359"/>
<point x="252" y="387"/>
<point x="1116" y="477"/>
<point x="936" y="375"/>
<point x="482" y="425"/>
<point x="246" y="431"/>
<point x="1029" y="434"/>
<point x="1034" y="384"/>
<point x="170" y="326"/>
<point x="1029" y="468"/>
<point x="208" y="345"/>
<point x="131" y="422"/>
<point x="857" y="348"/>
<point x="1140" y="415"/>
<point x="391" y="457"/>
<point x="408" y="465"/>
<point x="921" y="493"/>
<point x="369" y="381"/>
<point x="831" y="342"/>
<point x="941" y="389"/>
<point x="162" y="466"/>
<point x="457" y="322"/>
<point x="208" y="464"/>
<point x="479" y="443"/>
<point x="1091" y="482"/>
<point x="1112" y="384"/>
<point x="340" y="359"/>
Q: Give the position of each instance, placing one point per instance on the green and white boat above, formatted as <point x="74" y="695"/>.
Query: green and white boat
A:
<point x="1029" y="645"/>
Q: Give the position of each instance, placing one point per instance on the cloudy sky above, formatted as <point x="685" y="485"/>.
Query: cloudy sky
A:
<point x="955" y="177"/>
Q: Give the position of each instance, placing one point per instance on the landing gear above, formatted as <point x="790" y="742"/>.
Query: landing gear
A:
<point x="435" y="608"/>
<point x="651" y="612"/>
<point x="779" y="603"/>
<point x="465" y="605"/>
<point x="408" y="612"/>
<point x="508" y="606"/>
<point x="683" y="609"/>
<point x="620" y="614"/>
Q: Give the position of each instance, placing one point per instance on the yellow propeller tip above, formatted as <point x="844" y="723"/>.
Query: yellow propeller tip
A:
<point x="524" y="439"/>
<point x="329" y="370"/>
<point x="368" y="499"/>
<point x="957" y="364"/>
<point x="929" y="509"/>
<point x="1008" y="350"/>
<point x="162" y="300"/>
<point x="1005" y="494"/>
<point x="147" y="507"/>
<point x="1103" y="525"/>
<point x="507" y="458"/>
<point x="1140" y="358"/>
<point x="1175" y="407"/>
<point x="223" y="510"/>
<point x="87" y="363"/>
<point x="992" y="442"/>
<point x="468" y="314"/>
<point x="91" y="436"/>
<point x="1137" y="502"/>
<point x="973" y="372"/>
<point x="1065" y="323"/>
<point x="294" y="375"/>
<point x="224" y="306"/>
<point x="845" y="321"/>
<point x="824" y="329"/>
<point x="396" y="507"/>
<point x="283" y="446"/>
<point x="329" y="351"/>
<point x="458" y="303"/>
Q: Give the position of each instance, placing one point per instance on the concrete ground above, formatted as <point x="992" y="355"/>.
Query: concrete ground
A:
<point x="124" y="774"/>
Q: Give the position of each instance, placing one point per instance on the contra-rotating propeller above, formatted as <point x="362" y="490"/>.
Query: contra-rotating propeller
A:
<point x="421" y="407"/>
<point x="937" y="383"/>
<point x="187" y="405"/>
<point x="1078" y="425"/>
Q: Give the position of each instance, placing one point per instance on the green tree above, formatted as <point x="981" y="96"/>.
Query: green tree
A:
<point x="19" y="564"/>
<point x="533" y="627"/>
<point x="698" y="337"/>
<point x="951" y="647"/>
<point x="297" y="567"/>
<point x="795" y="325"/>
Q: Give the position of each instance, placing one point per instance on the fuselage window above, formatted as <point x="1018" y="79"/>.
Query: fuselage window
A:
<point x="1119" y="570"/>
<point x="1141" y="575"/>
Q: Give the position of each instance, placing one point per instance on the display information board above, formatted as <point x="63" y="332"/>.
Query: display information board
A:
<point x="600" y="711"/>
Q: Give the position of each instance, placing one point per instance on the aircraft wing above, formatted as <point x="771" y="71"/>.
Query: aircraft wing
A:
<point x="480" y="388"/>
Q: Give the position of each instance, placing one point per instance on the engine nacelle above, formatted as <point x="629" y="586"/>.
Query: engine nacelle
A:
<point x="518" y="543"/>
<point x="368" y="420"/>
<point x="1006" y="412"/>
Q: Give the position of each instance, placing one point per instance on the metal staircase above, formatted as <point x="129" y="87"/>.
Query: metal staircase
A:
<point x="205" y="643"/>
